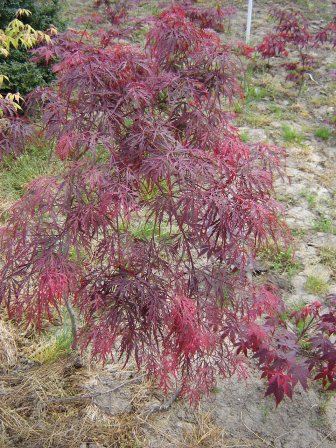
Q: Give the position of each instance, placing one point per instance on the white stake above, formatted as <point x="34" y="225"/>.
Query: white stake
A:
<point x="249" y="20"/>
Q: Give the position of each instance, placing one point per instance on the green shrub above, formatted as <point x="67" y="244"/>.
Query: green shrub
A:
<point x="44" y="13"/>
<point x="24" y="75"/>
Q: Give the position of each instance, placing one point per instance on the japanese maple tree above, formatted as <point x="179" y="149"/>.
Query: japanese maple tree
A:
<point x="295" y="39"/>
<point x="292" y="37"/>
<point x="152" y="226"/>
<point x="328" y="33"/>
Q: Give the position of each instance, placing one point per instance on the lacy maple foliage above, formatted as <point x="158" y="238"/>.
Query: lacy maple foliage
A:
<point x="158" y="215"/>
<point x="294" y="37"/>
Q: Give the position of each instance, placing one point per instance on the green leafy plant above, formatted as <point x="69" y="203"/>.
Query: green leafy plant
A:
<point x="17" y="34"/>
<point x="278" y="112"/>
<point x="24" y="76"/>
<point x="43" y="12"/>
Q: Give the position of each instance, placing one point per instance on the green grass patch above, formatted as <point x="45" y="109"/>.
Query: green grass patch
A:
<point x="323" y="133"/>
<point x="255" y="93"/>
<point x="325" y="225"/>
<point x="145" y="231"/>
<point x="244" y="137"/>
<point x="316" y="285"/>
<point x="328" y="258"/>
<point x="298" y="233"/>
<point x="332" y="66"/>
<point x="54" y="346"/>
<point x="281" y="260"/>
<point x="17" y="173"/>
<point x="290" y="135"/>
<point x="277" y="111"/>
<point x="238" y="107"/>
<point x="56" y="342"/>
<point x="257" y="120"/>
<point x="310" y="198"/>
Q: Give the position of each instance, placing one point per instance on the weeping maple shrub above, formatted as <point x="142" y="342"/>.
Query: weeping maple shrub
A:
<point x="153" y="225"/>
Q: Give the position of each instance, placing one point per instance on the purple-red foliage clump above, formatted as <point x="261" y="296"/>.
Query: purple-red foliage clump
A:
<point x="158" y="214"/>
<point x="293" y="37"/>
<point x="207" y="17"/>
<point x="292" y="33"/>
<point x="15" y="131"/>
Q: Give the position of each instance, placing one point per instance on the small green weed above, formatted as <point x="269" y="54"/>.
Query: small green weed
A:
<point x="54" y="347"/>
<point x="310" y="197"/>
<point x="325" y="400"/>
<point x="257" y="120"/>
<point x="316" y="285"/>
<point x="277" y="111"/>
<point x="56" y="342"/>
<point x="238" y="107"/>
<point x="299" y="233"/>
<point x="325" y="225"/>
<point x="244" y="137"/>
<point x="281" y="261"/>
<point x="290" y="135"/>
<point x="323" y="133"/>
<point x="147" y="230"/>
<point x="328" y="258"/>
<point x="255" y="93"/>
